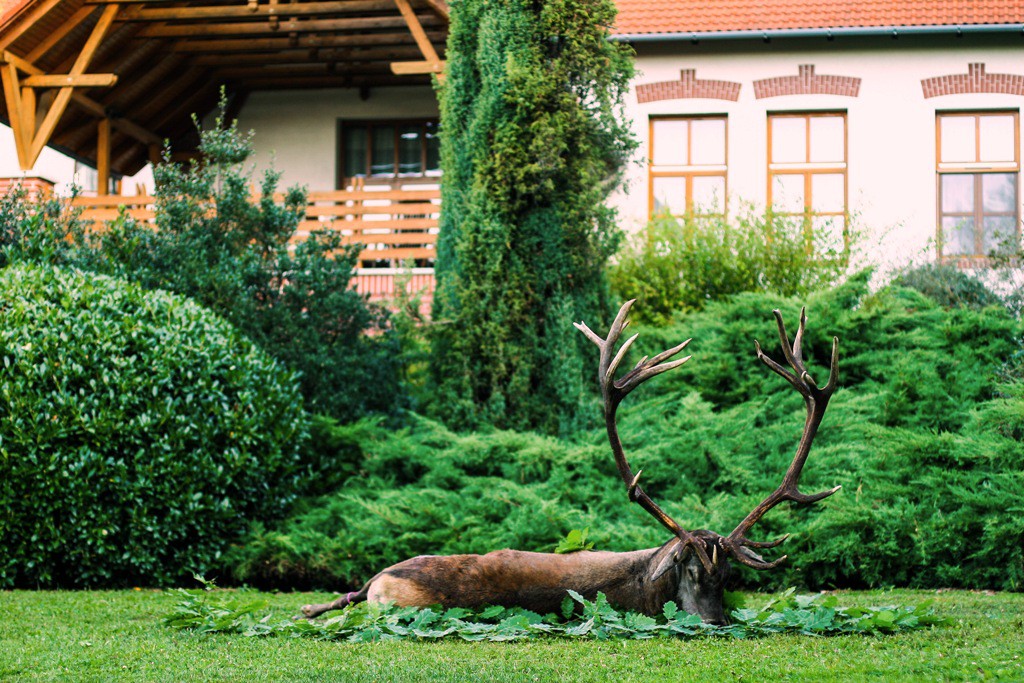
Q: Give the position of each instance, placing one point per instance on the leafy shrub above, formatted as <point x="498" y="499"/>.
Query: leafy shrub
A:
<point x="948" y="286"/>
<point x="44" y="230"/>
<point x="677" y="265"/>
<point x="213" y="244"/>
<point x="137" y="432"/>
<point x="924" y="439"/>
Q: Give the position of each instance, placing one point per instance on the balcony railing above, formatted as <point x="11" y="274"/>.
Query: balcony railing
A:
<point x="397" y="227"/>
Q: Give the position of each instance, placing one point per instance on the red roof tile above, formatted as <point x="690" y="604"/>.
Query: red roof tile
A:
<point x="714" y="16"/>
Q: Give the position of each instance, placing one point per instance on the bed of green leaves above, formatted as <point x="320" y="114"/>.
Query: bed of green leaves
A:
<point x="238" y="612"/>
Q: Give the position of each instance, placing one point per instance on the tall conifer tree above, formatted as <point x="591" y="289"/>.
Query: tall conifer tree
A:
<point x="533" y="141"/>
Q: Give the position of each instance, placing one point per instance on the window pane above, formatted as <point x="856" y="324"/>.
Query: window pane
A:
<point x="669" y="145"/>
<point x="996" y="138"/>
<point x="999" y="192"/>
<point x="999" y="234"/>
<point x="957" y="193"/>
<point x="789" y="139"/>
<point x="410" y="149"/>
<point x="957" y="138"/>
<point x="383" y="150"/>
<point x="670" y="195"/>
<point x="827" y="232"/>
<point x="827" y="139"/>
<point x="354" y="142"/>
<point x="828" y="193"/>
<point x="788" y="193"/>
<point x="708" y="194"/>
<point x="708" y="142"/>
<point x="433" y="149"/>
<point x="957" y="236"/>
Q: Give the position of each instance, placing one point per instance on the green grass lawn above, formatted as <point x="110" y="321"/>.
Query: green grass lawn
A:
<point x="118" y="635"/>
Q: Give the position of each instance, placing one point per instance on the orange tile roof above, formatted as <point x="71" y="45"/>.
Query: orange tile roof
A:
<point x="715" y="16"/>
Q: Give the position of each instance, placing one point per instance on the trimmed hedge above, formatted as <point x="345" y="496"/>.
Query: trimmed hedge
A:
<point x="922" y="435"/>
<point x="137" y="432"/>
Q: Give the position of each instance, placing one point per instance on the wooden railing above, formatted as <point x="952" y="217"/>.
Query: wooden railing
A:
<point x="396" y="227"/>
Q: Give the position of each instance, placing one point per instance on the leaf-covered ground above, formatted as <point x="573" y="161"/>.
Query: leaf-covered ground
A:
<point x="120" y="636"/>
<point x="243" y="613"/>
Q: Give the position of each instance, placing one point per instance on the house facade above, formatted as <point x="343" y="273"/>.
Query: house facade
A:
<point x="899" y="119"/>
<point x="903" y="126"/>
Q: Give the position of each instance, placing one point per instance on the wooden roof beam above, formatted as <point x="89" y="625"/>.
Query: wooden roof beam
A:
<point x="264" y="10"/>
<point x="30" y="139"/>
<point x="86" y="103"/>
<point x="66" y="26"/>
<point x="27" y="20"/>
<point x="337" y="81"/>
<point x="310" y="56"/>
<point x="441" y="7"/>
<point x="244" y="73"/>
<point x="71" y="81"/>
<point x="297" y="41"/>
<point x="432" y="62"/>
<point x="268" y="29"/>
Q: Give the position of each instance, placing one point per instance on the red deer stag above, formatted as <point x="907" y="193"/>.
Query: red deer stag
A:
<point x="690" y="568"/>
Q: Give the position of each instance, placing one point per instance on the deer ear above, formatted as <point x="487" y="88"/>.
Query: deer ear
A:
<point x="668" y="562"/>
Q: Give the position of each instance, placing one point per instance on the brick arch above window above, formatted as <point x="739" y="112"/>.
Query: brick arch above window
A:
<point x="688" y="86"/>
<point x="976" y="80"/>
<point x="806" y="82"/>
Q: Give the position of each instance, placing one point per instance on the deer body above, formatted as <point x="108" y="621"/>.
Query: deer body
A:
<point x="638" y="581"/>
<point x="690" y="569"/>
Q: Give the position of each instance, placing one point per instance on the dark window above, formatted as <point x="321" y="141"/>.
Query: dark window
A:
<point x="389" y="149"/>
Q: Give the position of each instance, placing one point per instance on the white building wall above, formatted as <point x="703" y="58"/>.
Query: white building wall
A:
<point x="297" y="131"/>
<point x="890" y="124"/>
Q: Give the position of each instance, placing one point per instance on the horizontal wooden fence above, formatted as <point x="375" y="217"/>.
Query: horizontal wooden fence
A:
<point x="397" y="228"/>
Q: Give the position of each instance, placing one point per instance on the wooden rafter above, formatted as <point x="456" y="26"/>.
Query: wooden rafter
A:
<point x="59" y="34"/>
<point x="242" y="11"/>
<point x="432" y="63"/>
<point x="265" y="28"/>
<point x="21" y="99"/>
<point x="298" y="41"/>
<point x="36" y="12"/>
<point x="308" y="56"/>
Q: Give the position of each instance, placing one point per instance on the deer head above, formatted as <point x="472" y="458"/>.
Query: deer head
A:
<point x="699" y="560"/>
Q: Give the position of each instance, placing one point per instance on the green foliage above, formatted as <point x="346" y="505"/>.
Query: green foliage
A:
<point x="137" y="432"/>
<point x="213" y="244"/>
<point x="948" y="286"/>
<point x="43" y="231"/>
<point x="574" y="541"/>
<point x="923" y="436"/>
<point x="817" y="615"/>
<point x="534" y="140"/>
<point x="682" y="265"/>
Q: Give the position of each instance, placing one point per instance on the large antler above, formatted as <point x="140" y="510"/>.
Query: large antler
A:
<point x="816" y="399"/>
<point x="613" y="391"/>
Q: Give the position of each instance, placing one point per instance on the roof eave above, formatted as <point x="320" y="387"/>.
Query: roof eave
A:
<point x="827" y="32"/>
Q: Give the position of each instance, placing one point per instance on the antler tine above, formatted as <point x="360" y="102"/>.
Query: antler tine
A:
<point x="816" y="400"/>
<point x="613" y="391"/>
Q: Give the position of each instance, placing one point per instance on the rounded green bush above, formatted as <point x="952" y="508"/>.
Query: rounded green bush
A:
<point x="138" y="432"/>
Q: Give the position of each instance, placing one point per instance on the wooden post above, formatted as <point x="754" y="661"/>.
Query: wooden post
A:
<point x="103" y="157"/>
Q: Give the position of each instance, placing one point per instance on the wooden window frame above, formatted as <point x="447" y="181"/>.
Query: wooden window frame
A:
<point x="341" y="180"/>
<point x="808" y="169"/>
<point x="688" y="171"/>
<point x="976" y="169"/>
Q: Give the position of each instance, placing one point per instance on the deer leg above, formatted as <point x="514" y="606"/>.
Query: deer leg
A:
<point x="313" y="611"/>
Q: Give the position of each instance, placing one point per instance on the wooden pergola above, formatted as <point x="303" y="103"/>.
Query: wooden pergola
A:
<point x="108" y="82"/>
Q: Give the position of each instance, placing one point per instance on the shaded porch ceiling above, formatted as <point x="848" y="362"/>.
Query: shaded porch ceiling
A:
<point x="88" y="76"/>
